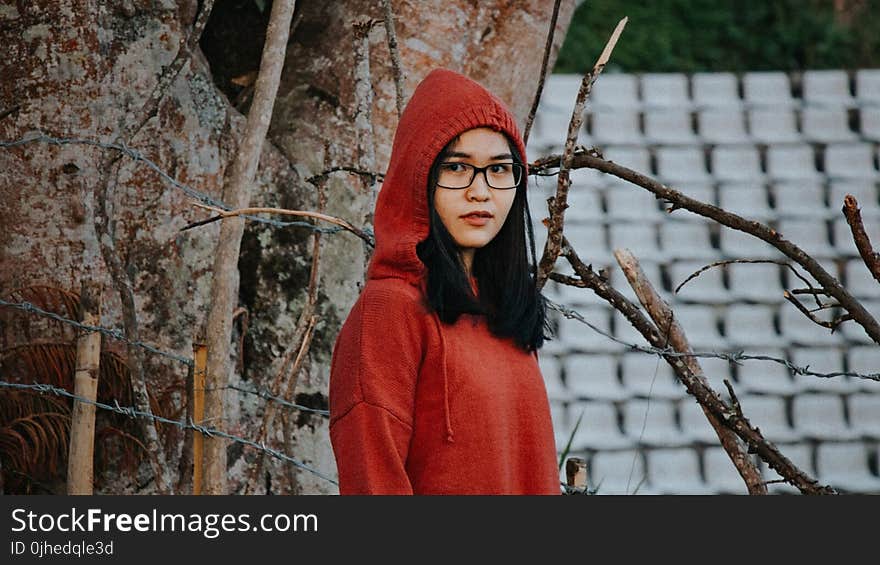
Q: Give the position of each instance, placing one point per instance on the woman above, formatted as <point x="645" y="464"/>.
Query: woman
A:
<point x="434" y="383"/>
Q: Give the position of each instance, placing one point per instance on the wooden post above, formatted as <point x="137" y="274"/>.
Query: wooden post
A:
<point x="80" y="460"/>
<point x="200" y="356"/>
<point x="576" y="472"/>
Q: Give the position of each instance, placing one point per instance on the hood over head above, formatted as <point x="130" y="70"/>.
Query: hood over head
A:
<point x="444" y="105"/>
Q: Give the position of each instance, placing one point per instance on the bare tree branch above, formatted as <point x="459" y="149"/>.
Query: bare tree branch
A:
<point x="663" y="315"/>
<point x="832" y="325"/>
<point x="363" y="117"/>
<point x="300" y="343"/>
<point x="860" y="236"/>
<point x="567" y="280"/>
<point x="105" y="228"/>
<point x="757" y="229"/>
<point x="704" y="395"/>
<point x="391" y="34"/>
<point x="373" y="175"/>
<point x="558" y="203"/>
<point x="548" y="48"/>
<point x="237" y="192"/>
<point x="729" y="261"/>
<point x="221" y="214"/>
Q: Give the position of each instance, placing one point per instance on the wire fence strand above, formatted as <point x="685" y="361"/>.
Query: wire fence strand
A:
<point x="132" y="412"/>
<point x="114" y="333"/>
<point x="735" y="357"/>
<point x="264" y="393"/>
<point x="137" y="156"/>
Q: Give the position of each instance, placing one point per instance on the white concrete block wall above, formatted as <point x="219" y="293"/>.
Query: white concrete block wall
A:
<point x="769" y="156"/>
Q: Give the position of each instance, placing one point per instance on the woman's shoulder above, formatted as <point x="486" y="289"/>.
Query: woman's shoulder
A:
<point x="394" y="296"/>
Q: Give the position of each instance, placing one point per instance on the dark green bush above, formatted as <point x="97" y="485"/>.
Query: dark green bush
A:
<point x="724" y="35"/>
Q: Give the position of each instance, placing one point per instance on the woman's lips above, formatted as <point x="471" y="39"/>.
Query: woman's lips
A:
<point x="476" y="220"/>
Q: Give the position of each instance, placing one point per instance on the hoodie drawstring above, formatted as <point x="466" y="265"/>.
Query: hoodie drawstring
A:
<point x="449" y="434"/>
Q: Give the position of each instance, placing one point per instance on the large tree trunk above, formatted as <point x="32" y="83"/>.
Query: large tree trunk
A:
<point x="81" y="70"/>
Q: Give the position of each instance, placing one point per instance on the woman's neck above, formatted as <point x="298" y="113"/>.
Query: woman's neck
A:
<point x="467" y="257"/>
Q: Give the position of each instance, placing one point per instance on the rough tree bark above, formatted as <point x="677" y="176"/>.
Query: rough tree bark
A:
<point x="81" y="70"/>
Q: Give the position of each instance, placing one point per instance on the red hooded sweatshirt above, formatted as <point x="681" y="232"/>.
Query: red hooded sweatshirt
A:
<point x="418" y="406"/>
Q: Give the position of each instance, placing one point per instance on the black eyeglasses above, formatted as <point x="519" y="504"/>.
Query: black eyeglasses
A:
<point x="502" y="176"/>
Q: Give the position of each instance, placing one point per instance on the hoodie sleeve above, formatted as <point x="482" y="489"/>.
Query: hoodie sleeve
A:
<point x="373" y="375"/>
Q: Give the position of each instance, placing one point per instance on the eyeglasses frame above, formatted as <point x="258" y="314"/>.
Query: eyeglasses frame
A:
<point x="476" y="170"/>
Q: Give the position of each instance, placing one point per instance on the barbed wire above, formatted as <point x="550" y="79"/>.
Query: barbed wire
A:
<point x="736" y="356"/>
<point x="114" y="333"/>
<point x="137" y="156"/>
<point x="132" y="412"/>
<point x="570" y="313"/>
<point x="118" y="334"/>
<point x="264" y="393"/>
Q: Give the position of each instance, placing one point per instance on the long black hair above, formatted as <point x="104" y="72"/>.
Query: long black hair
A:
<point x="508" y="296"/>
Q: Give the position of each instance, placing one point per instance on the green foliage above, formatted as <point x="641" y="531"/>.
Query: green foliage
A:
<point x="723" y="35"/>
<point x="564" y="455"/>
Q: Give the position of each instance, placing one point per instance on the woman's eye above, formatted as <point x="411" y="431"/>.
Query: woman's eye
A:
<point x="455" y="167"/>
<point x="500" y="168"/>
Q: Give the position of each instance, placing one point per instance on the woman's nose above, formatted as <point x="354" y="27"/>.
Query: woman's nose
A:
<point x="479" y="189"/>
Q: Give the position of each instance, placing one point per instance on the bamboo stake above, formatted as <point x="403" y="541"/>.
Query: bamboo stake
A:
<point x="80" y="462"/>
<point x="200" y="356"/>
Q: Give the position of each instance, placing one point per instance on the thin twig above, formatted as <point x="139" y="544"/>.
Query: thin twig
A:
<point x="567" y="280"/>
<point x="299" y="344"/>
<point x="363" y="117"/>
<point x="222" y="214"/>
<point x="813" y="291"/>
<point x="372" y="175"/>
<point x="396" y="66"/>
<point x="860" y="236"/>
<point x="558" y="203"/>
<point x="105" y="229"/>
<point x="827" y="306"/>
<point x="311" y="305"/>
<point x="548" y="48"/>
<point x="832" y="325"/>
<point x="694" y="275"/>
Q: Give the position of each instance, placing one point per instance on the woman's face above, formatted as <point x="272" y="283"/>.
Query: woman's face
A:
<point x="479" y="147"/>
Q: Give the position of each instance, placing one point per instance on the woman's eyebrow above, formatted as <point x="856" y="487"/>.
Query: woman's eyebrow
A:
<point x="468" y="156"/>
